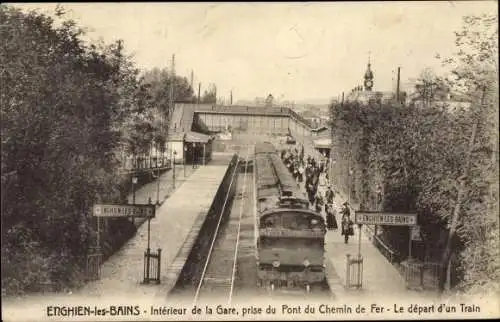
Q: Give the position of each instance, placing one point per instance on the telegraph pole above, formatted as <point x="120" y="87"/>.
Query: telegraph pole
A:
<point x="191" y="78"/>
<point x="199" y="91"/>
<point x="172" y="81"/>
<point x="397" y="85"/>
<point x="171" y="110"/>
<point x="231" y="98"/>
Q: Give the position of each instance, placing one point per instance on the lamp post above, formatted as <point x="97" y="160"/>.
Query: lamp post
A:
<point x="350" y="184"/>
<point x="184" y="160"/>
<point x="158" y="186"/>
<point x="173" y="166"/>
<point x="194" y="146"/>
<point x="134" y="182"/>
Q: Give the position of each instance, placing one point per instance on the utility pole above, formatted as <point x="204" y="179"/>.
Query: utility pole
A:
<point x="231" y="98"/>
<point x="172" y="82"/>
<point x="199" y="92"/>
<point x="192" y="75"/>
<point x="171" y="107"/>
<point x="397" y="85"/>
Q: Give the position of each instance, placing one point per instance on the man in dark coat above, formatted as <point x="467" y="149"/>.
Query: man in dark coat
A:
<point x="347" y="229"/>
<point x="319" y="203"/>
<point x="329" y="195"/>
<point x="331" y="221"/>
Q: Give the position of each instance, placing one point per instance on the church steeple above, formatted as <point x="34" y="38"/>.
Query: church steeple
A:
<point x="368" y="77"/>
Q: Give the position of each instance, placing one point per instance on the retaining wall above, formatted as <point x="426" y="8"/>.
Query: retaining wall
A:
<point x="192" y="270"/>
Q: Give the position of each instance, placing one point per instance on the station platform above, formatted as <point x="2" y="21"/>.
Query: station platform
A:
<point x="380" y="277"/>
<point x="122" y="273"/>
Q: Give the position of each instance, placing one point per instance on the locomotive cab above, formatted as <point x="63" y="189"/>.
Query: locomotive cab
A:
<point x="293" y="202"/>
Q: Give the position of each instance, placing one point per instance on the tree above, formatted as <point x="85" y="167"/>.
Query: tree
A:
<point x="441" y="163"/>
<point x="161" y="95"/>
<point x="210" y="95"/>
<point x="475" y="215"/>
<point x="63" y="104"/>
<point x="429" y="88"/>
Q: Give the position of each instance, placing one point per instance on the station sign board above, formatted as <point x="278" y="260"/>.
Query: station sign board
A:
<point x="141" y="211"/>
<point x="385" y="218"/>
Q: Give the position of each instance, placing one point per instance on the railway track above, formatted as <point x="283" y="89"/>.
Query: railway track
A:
<point x="218" y="276"/>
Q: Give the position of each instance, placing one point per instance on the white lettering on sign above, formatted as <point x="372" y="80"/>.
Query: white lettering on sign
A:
<point x="390" y="219"/>
<point x="145" y="211"/>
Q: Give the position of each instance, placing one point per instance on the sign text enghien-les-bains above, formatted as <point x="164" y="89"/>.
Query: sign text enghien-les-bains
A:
<point x="144" y="211"/>
<point x="391" y="219"/>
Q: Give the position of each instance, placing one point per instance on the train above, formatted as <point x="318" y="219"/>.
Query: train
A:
<point x="291" y="237"/>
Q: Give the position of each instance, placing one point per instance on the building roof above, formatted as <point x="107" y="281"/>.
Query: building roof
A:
<point x="182" y="118"/>
<point x="240" y="109"/>
<point x="195" y="137"/>
<point x="252" y="110"/>
<point x="190" y="137"/>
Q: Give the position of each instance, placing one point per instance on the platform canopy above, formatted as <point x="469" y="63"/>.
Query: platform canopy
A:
<point x="195" y="137"/>
<point x="323" y="143"/>
<point x="190" y="137"/>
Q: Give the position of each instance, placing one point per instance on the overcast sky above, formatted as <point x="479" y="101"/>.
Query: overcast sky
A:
<point x="295" y="51"/>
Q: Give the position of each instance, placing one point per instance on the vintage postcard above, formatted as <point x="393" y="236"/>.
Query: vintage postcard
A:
<point x="250" y="161"/>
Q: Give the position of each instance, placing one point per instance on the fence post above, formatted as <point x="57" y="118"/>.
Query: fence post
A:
<point x="348" y="275"/>
<point x="145" y="265"/>
<point x="159" y="267"/>
<point x="360" y="271"/>
<point x="148" y="263"/>
<point x="422" y="272"/>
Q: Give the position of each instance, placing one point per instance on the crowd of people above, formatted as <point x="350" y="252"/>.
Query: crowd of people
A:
<point x="313" y="174"/>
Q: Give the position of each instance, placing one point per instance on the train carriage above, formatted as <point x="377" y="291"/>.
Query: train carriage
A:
<point x="290" y="245"/>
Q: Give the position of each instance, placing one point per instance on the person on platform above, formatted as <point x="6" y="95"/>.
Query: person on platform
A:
<point x="310" y="193"/>
<point x="331" y="221"/>
<point x="322" y="178"/>
<point x="346" y="222"/>
<point x="319" y="203"/>
<point x="329" y="195"/>
<point x="301" y="172"/>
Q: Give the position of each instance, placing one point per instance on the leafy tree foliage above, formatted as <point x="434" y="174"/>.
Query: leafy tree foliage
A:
<point x="438" y="160"/>
<point x="69" y="112"/>
<point x="210" y="95"/>
<point x="63" y="106"/>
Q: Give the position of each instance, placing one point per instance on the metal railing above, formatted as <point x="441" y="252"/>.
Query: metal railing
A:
<point x="421" y="275"/>
<point x="152" y="266"/>
<point x="93" y="266"/>
<point x="388" y="253"/>
<point x="354" y="272"/>
<point x="214" y="237"/>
